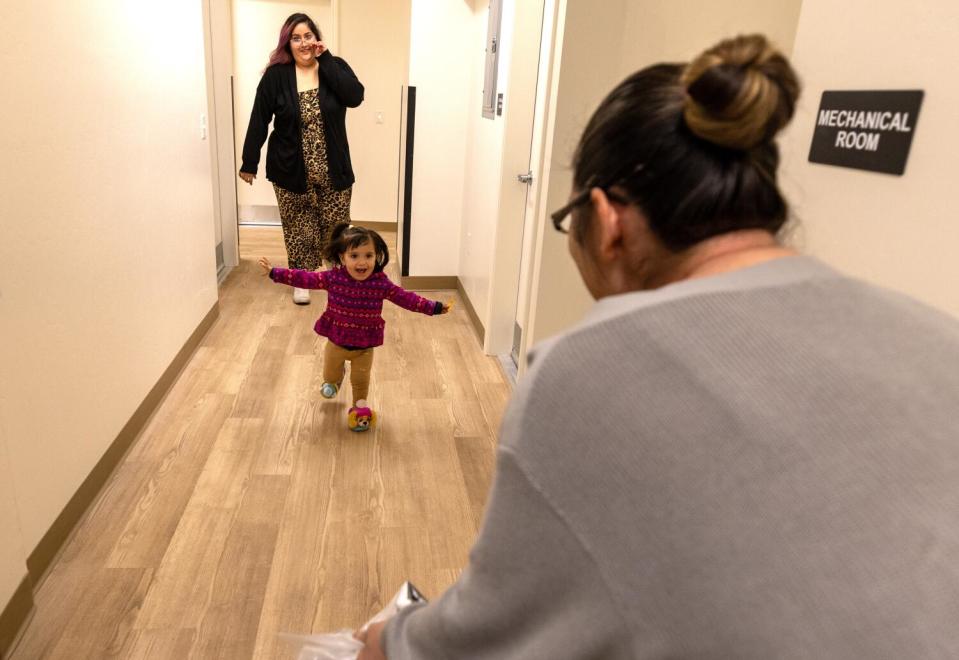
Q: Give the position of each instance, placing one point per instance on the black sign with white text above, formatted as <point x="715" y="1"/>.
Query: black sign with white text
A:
<point x="866" y="130"/>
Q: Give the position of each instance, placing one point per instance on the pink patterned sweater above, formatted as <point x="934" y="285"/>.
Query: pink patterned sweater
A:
<point x="353" y="316"/>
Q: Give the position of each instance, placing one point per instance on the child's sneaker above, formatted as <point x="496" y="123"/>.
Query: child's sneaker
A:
<point x="329" y="390"/>
<point x="361" y="419"/>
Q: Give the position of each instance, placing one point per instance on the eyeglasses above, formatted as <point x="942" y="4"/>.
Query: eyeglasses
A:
<point x="562" y="219"/>
<point x="307" y="38"/>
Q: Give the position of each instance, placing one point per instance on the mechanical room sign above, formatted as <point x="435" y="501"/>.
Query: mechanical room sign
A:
<point x="866" y="130"/>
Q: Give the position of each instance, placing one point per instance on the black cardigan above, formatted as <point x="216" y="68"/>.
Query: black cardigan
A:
<point x="277" y="99"/>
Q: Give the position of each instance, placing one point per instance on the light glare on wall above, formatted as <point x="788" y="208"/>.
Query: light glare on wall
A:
<point x="166" y="37"/>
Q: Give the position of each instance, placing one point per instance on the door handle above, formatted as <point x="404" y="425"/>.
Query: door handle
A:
<point x="525" y="178"/>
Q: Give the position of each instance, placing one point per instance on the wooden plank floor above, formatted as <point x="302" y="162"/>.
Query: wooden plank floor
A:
<point x="247" y="508"/>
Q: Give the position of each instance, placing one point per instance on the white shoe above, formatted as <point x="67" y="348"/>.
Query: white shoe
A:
<point x="301" y="296"/>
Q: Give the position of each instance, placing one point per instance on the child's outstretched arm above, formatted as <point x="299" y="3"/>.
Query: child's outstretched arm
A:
<point x="416" y="303"/>
<point x="302" y="279"/>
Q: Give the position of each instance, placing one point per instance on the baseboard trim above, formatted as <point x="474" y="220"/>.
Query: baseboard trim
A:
<point x="50" y="545"/>
<point x="15" y="615"/>
<point x="446" y="283"/>
<point x="430" y="283"/>
<point x="474" y="317"/>
<point x="376" y="226"/>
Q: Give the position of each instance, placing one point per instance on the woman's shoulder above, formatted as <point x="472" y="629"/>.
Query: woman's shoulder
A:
<point x="327" y="56"/>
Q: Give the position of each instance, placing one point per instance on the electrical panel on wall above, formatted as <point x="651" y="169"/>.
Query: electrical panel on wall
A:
<point x="492" y="59"/>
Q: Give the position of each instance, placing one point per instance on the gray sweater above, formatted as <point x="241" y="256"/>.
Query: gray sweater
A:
<point x="761" y="464"/>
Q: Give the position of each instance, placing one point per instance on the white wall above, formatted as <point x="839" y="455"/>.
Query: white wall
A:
<point x="441" y="47"/>
<point x="483" y="164"/>
<point x="598" y="50"/>
<point x="256" y="29"/>
<point x="107" y="250"/>
<point x="374" y="38"/>
<point x="496" y="150"/>
<point x="898" y="231"/>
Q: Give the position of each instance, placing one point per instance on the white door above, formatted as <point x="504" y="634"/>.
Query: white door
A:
<point x="522" y="143"/>
<point x="535" y="180"/>
<point x="218" y="127"/>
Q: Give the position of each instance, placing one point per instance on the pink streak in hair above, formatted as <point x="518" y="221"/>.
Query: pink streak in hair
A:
<point x="280" y="55"/>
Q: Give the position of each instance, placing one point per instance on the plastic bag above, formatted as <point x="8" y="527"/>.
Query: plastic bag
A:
<point x="341" y="645"/>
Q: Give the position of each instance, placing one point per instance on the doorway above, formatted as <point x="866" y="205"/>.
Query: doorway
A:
<point x="254" y="29"/>
<point x="536" y="172"/>
<point x="517" y="227"/>
<point x="232" y="77"/>
<point x="217" y="127"/>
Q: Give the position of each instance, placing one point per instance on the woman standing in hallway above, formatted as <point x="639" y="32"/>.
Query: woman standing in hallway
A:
<point x="305" y="91"/>
<point x="740" y="452"/>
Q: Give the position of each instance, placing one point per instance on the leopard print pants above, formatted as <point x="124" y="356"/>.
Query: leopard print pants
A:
<point x="308" y="219"/>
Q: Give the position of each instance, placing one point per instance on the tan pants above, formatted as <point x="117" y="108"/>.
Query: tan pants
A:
<point x="361" y="363"/>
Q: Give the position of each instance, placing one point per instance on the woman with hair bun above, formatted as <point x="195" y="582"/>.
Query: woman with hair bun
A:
<point x="740" y="452"/>
<point x="305" y="91"/>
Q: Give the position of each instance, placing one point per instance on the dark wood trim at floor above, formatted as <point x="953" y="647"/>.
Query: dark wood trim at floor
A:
<point x="17" y="612"/>
<point x="449" y="282"/>
<point x="16" y="615"/>
<point x="442" y="283"/>
<point x="474" y="317"/>
<point x="376" y="226"/>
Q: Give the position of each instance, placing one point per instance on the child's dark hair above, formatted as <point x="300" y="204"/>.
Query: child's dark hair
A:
<point x="346" y="236"/>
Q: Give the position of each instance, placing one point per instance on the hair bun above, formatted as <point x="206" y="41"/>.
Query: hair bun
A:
<point x="739" y="93"/>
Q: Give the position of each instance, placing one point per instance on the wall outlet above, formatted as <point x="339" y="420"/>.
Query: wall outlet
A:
<point x="379" y="117"/>
<point x="202" y="127"/>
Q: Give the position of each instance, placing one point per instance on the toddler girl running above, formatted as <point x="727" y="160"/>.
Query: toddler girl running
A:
<point x="352" y="322"/>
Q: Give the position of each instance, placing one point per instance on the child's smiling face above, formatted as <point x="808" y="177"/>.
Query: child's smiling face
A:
<point x="360" y="260"/>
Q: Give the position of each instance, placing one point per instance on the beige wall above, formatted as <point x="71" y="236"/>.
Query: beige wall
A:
<point x="898" y="231"/>
<point x="441" y="50"/>
<point x="676" y="31"/>
<point x="256" y="28"/>
<point x="107" y="250"/>
<point x="598" y="50"/>
<point x="374" y="38"/>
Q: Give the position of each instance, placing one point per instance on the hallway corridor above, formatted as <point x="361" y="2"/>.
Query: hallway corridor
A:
<point x="246" y="508"/>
